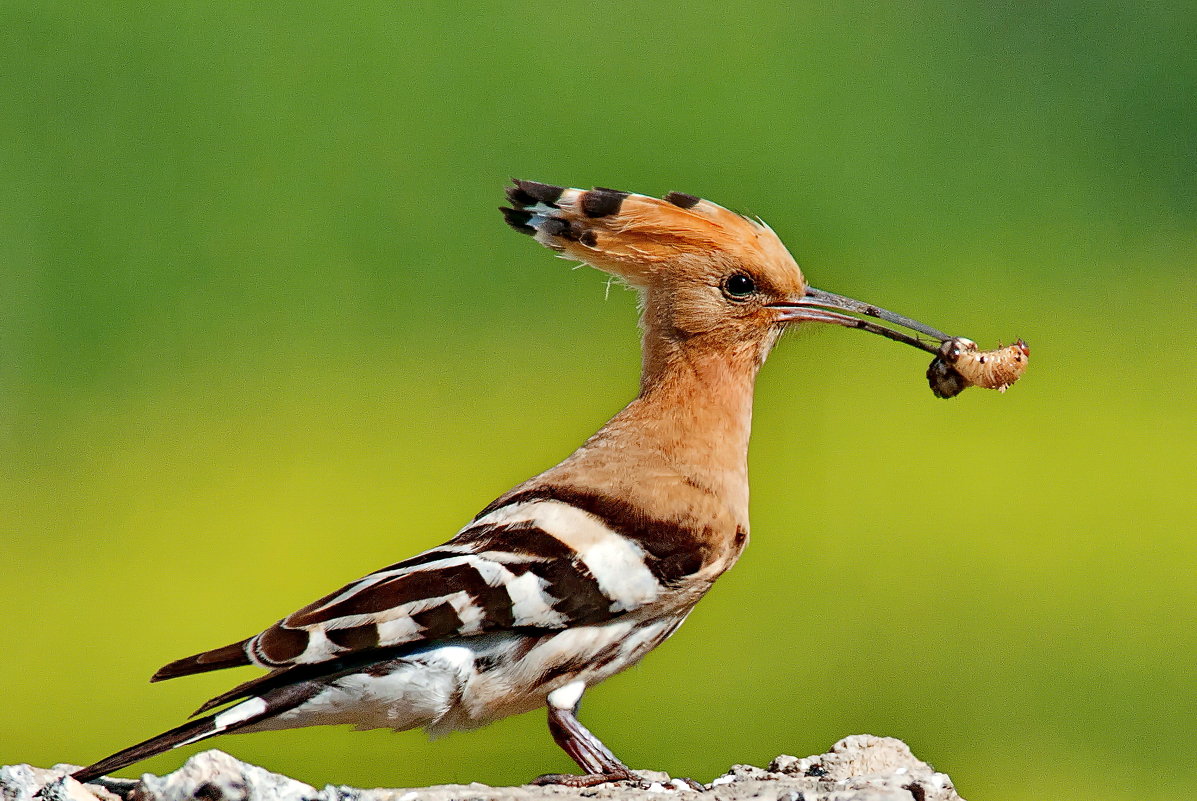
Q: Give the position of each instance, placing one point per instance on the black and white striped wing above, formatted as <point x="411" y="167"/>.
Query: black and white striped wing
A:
<point x="532" y="563"/>
<point x="536" y="562"/>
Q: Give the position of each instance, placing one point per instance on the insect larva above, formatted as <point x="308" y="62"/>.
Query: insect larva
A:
<point x="960" y="365"/>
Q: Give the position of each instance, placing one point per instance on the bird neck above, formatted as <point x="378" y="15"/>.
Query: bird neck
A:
<point x="680" y="449"/>
<point x="695" y="404"/>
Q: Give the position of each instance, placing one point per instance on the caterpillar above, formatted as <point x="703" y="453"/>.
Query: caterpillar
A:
<point x="959" y="365"/>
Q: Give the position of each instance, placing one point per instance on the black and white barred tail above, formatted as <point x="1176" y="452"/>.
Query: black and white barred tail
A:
<point x="224" y="722"/>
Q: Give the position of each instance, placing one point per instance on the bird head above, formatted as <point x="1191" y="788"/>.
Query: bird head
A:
<point x="708" y="277"/>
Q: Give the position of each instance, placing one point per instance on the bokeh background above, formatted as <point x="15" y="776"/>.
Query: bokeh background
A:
<point x="262" y="331"/>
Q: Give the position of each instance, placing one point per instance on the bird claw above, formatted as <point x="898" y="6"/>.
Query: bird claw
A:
<point x="587" y="780"/>
<point x="593" y="779"/>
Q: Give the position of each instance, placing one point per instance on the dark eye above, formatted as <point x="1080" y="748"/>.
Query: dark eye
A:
<point x="739" y="286"/>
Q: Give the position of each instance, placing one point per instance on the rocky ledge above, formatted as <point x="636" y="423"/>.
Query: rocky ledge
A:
<point x="857" y="768"/>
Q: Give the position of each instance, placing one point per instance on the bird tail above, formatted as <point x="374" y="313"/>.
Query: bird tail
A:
<point x="223" y="722"/>
<point x="187" y="733"/>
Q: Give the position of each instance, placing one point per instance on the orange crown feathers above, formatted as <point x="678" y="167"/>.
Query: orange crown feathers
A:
<point x="640" y="238"/>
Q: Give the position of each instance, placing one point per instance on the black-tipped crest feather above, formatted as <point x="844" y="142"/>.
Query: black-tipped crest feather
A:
<point x="529" y="193"/>
<point x="518" y="219"/>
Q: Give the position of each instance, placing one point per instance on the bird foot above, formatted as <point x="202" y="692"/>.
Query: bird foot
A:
<point x="592" y="779"/>
<point x="587" y="780"/>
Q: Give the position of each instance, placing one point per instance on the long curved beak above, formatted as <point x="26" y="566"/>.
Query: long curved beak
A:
<point x="818" y="306"/>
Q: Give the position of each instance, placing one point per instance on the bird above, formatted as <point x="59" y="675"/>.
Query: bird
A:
<point x="577" y="573"/>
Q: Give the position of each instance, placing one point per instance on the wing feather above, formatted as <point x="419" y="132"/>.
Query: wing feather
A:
<point x="542" y="559"/>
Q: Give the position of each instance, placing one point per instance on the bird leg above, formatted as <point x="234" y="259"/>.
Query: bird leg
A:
<point x="588" y="751"/>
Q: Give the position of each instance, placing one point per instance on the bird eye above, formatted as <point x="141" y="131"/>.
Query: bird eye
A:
<point x="739" y="286"/>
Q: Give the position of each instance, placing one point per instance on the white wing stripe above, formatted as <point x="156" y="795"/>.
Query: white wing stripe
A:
<point x="616" y="562"/>
<point x="531" y="605"/>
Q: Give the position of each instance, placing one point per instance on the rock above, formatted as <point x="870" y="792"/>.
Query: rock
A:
<point x="857" y="768"/>
<point x="864" y="762"/>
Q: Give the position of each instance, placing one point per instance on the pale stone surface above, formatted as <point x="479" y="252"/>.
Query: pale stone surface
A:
<point x="857" y="768"/>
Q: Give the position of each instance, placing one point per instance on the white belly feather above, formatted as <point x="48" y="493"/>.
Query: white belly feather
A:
<point x="470" y="682"/>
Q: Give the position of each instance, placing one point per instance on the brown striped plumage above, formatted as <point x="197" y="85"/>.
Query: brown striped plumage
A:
<point x="577" y="573"/>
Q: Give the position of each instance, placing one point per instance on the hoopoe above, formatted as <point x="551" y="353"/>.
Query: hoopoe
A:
<point x="579" y="572"/>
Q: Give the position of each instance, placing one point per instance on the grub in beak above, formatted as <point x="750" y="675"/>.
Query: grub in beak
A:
<point x="958" y="363"/>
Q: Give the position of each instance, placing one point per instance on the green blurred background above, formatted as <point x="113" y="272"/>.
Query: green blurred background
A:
<point x="262" y="331"/>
